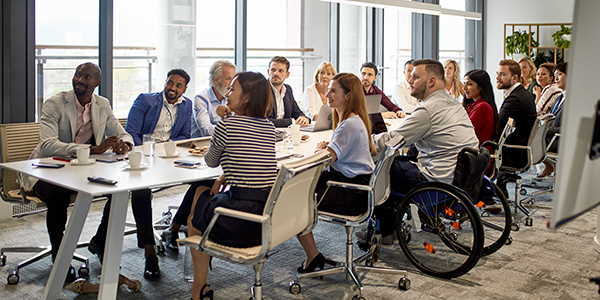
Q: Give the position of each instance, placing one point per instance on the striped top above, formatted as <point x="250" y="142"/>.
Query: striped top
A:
<point x="245" y="148"/>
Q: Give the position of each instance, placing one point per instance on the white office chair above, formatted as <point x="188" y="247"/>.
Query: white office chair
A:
<point x="290" y="211"/>
<point x="378" y="191"/>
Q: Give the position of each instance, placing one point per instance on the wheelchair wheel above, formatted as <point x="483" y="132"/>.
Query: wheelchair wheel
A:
<point x="497" y="221"/>
<point x="446" y="234"/>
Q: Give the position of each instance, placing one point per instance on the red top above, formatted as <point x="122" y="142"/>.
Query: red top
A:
<point x="482" y="117"/>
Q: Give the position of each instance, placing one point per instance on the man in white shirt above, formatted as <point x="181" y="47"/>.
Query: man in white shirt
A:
<point x="285" y="107"/>
<point x="204" y="116"/>
<point x="401" y="93"/>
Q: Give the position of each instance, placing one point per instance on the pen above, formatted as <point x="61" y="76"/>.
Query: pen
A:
<point x="61" y="159"/>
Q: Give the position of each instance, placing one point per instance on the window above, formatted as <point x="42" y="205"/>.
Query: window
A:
<point x="353" y="38"/>
<point x="452" y="35"/>
<point x="64" y="38"/>
<point x="397" y="46"/>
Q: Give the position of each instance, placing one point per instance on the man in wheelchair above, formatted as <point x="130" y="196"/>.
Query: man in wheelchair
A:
<point x="438" y="129"/>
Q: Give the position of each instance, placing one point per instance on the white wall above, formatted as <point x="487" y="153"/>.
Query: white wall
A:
<point x="498" y="13"/>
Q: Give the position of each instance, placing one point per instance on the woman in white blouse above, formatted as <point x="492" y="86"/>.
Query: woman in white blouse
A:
<point x="314" y="94"/>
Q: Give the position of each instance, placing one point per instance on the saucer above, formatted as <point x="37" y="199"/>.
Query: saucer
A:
<point x="164" y="155"/>
<point x="77" y="163"/>
<point x="306" y="139"/>
<point x="141" y="167"/>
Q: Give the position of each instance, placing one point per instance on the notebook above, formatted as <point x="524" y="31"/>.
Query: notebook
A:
<point x="323" y="120"/>
<point x="373" y="102"/>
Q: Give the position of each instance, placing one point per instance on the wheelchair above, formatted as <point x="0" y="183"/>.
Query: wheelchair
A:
<point x="439" y="227"/>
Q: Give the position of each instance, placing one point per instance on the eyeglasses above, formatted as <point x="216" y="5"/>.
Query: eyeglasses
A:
<point x="228" y="89"/>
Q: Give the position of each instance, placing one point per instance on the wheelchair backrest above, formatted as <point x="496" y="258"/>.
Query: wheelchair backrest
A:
<point x="470" y="166"/>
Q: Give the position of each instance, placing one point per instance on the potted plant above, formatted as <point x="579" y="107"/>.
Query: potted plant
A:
<point x="562" y="38"/>
<point x="518" y="43"/>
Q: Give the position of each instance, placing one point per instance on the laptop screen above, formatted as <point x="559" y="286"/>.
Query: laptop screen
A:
<point x="377" y="123"/>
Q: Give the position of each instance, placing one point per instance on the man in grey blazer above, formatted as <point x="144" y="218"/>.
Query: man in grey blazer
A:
<point x="71" y="120"/>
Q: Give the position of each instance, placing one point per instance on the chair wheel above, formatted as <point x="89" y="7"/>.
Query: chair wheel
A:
<point x="369" y="262"/>
<point x="375" y="253"/>
<point x="13" y="278"/>
<point x="523" y="192"/>
<point x="83" y="271"/>
<point x="358" y="297"/>
<point x="160" y="249"/>
<point x="404" y="284"/>
<point x="515" y="227"/>
<point x="295" y="288"/>
<point x="2" y="260"/>
<point x="528" y="221"/>
<point x="508" y="240"/>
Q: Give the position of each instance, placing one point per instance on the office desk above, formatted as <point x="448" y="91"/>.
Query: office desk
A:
<point x="160" y="171"/>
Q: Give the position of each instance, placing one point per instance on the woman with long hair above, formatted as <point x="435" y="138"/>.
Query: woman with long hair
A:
<point x="452" y="79"/>
<point x="528" y="73"/>
<point x="314" y="94"/>
<point x="248" y="134"/>
<point x="480" y="105"/>
<point x="351" y="149"/>
<point x="547" y="93"/>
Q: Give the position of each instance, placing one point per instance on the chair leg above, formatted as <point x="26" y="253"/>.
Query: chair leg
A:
<point x="257" y="288"/>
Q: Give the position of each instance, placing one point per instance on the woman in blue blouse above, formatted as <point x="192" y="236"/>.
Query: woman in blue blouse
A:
<point x="351" y="149"/>
<point x="244" y="146"/>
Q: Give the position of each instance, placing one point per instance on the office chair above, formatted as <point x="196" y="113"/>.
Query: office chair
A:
<point x="378" y="191"/>
<point x="535" y="153"/>
<point x="293" y="191"/>
<point x="17" y="142"/>
<point x="552" y="158"/>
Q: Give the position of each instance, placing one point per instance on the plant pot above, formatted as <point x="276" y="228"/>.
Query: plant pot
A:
<point x="518" y="56"/>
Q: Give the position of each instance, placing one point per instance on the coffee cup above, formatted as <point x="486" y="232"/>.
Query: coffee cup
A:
<point x="83" y="154"/>
<point x="135" y="159"/>
<point x="170" y="148"/>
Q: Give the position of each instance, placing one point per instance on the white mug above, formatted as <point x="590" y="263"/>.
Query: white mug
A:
<point x="296" y="137"/>
<point x="83" y="154"/>
<point x="135" y="159"/>
<point x="170" y="148"/>
<point x="294" y="128"/>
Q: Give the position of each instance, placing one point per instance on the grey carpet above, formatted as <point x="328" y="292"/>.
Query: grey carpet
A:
<point x="539" y="264"/>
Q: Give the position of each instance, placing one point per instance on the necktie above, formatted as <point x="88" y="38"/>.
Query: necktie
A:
<point x="558" y="104"/>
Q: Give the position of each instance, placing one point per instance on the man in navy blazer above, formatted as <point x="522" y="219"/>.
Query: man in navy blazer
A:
<point x="167" y="116"/>
<point x="519" y="105"/>
<point x="285" y="107"/>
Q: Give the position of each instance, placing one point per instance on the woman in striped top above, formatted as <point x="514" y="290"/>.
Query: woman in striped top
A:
<point x="351" y="149"/>
<point x="244" y="146"/>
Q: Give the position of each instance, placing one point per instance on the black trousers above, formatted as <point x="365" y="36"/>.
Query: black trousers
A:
<point x="57" y="200"/>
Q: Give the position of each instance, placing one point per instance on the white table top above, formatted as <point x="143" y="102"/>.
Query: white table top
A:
<point x="160" y="171"/>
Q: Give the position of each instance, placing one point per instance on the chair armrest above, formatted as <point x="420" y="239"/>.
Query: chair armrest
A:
<point x="516" y="146"/>
<point x="240" y="215"/>
<point x="349" y="185"/>
<point x="492" y="144"/>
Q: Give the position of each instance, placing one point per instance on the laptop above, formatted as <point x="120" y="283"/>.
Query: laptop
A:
<point x="323" y="121"/>
<point x="373" y="102"/>
<point x="377" y="123"/>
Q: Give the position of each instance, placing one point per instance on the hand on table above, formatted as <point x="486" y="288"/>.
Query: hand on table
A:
<point x="302" y="121"/>
<point x="389" y="115"/>
<point x="400" y="114"/>
<point x="322" y="145"/>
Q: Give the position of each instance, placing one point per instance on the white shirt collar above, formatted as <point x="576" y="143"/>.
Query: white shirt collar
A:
<point x="512" y="88"/>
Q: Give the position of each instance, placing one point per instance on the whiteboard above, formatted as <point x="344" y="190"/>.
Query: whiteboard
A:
<point x="577" y="186"/>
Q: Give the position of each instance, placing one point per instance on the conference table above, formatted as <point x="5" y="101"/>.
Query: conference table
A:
<point x="160" y="171"/>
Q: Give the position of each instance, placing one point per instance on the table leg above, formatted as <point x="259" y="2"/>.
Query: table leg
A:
<point x="68" y="246"/>
<point x="109" y="283"/>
